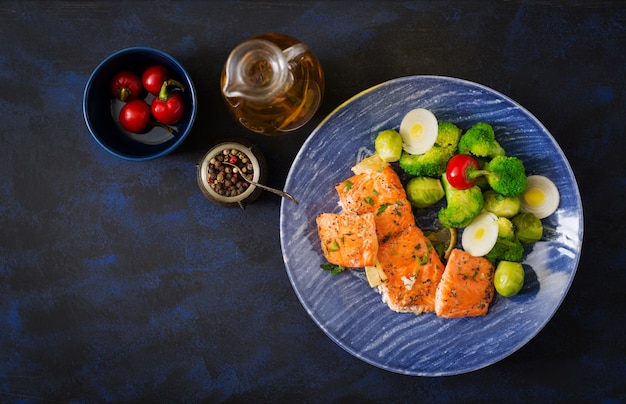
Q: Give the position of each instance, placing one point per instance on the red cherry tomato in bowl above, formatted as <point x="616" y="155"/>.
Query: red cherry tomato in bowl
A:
<point x="170" y="110"/>
<point x="153" y="77"/>
<point x="168" y="107"/>
<point x="126" y="86"/>
<point x="459" y="169"/>
<point x="135" y="116"/>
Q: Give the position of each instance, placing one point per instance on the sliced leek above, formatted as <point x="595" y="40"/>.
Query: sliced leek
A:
<point x="419" y="131"/>
<point x="481" y="234"/>
<point x="541" y="197"/>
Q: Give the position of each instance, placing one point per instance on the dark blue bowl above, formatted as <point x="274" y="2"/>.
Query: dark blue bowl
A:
<point x="101" y="110"/>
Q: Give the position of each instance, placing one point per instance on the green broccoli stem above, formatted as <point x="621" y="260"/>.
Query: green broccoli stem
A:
<point x="472" y="174"/>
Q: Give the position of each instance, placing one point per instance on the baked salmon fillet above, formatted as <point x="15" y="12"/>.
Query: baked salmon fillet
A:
<point x="348" y="240"/>
<point x="413" y="271"/>
<point x="408" y="259"/>
<point x="466" y="287"/>
<point x="380" y="193"/>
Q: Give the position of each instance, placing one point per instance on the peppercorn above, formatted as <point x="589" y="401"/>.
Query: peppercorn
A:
<point x="221" y="177"/>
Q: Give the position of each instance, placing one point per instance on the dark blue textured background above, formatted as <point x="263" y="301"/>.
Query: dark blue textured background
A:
<point x="119" y="281"/>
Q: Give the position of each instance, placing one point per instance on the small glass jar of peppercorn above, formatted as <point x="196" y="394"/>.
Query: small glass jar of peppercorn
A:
<point x="221" y="169"/>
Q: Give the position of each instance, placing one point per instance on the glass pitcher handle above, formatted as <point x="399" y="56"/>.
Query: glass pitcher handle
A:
<point x="294" y="51"/>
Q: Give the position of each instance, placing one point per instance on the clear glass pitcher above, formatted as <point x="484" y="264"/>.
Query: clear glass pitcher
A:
<point x="272" y="84"/>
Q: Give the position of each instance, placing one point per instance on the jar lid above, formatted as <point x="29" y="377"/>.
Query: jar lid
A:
<point x="224" y="190"/>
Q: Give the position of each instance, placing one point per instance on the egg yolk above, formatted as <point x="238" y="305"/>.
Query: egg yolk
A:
<point x="534" y="196"/>
<point x="417" y="129"/>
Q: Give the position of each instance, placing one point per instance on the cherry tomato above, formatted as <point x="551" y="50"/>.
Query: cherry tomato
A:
<point x="153" y="77"/>
<point x="126" y="86"/>
<point x="168" y="107"/>
<point x="135" y="116"/>
<point x="168" y="111"/>
<point x="459" y="169"/>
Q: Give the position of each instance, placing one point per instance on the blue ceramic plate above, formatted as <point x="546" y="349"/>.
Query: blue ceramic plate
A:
<point x="348" y="310"/>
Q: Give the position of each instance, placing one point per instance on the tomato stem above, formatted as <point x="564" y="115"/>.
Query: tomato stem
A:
<point x="168" y="128"/>
<point x="164" y="93"/>
<point x="125" y="94"/>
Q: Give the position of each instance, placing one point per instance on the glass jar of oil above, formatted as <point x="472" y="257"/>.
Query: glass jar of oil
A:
<point x="272" y="84"/>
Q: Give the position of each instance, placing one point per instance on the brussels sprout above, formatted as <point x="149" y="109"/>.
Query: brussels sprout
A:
<point x="423" y="192"/>
<point x="505" y="228"/>
<point x="528" y="228"/>
<point x="501" y="206"/>
<point x="388" y="145"/>
<point x="508" y="278"/>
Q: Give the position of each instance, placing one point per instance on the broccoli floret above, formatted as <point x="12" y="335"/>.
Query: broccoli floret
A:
<point x="480" y="140"/>
<point x="462" y="205"/>
<point x="433" y="162"/>
<point x="448" y="135"/>
<point x="506" y="175"/>
<point x="430" y="164"/>
<point x="506" y="250"/>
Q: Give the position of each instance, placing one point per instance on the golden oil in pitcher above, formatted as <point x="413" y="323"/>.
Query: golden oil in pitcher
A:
<point x="272" y="84"/>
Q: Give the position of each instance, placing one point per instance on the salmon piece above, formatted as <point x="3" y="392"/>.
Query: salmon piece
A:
<point x="392" y="218"/>
<point x="348" y="240"/>
<point x="380" y="193"/>
<point x="407" y="257"/>
<point x="466" y="288"/>
<point x="413" y="271"/>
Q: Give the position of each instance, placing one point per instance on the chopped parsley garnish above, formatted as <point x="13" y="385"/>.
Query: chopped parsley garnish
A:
<point x="382" y="208"/>
<point x="369" y="200"/>
<point x="334" y="247"/>
<point x="332" y="268"/>
<point x="440" y="249"/>
<point x="347" y="184"/>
